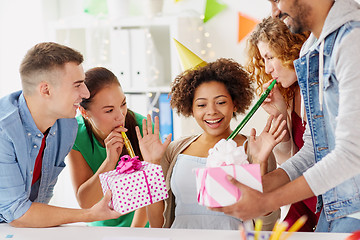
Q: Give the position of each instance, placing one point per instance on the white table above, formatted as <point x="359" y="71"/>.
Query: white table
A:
<point x="69" y="232"/>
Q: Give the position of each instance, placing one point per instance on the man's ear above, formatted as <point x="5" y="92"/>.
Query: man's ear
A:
<point x="44" y="89"/>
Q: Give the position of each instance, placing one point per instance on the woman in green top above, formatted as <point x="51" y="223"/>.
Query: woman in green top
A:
<point x="99" y="144"/>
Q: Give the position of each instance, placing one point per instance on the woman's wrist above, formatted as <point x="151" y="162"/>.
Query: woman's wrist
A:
<point x="153" y="161"/>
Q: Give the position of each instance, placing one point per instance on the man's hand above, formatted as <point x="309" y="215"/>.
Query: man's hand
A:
<point x="101" y="211"/>
<point x="253" y="203"/>
<point x="43" y="215"/>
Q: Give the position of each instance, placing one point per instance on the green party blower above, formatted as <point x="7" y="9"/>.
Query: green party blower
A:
<point x="252" y="111"/>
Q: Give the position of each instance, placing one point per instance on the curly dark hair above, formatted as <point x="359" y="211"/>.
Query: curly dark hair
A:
<point x="236" y="80"/>
<point x="285" y="45"/>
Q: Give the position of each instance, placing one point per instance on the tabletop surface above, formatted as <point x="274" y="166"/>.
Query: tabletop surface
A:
<point x="67" y="232"/>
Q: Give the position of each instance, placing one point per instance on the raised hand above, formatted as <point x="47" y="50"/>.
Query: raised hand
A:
<point x="114" y="144"/>
<point x="151" y="147"/>
<point x="273" y="133"/>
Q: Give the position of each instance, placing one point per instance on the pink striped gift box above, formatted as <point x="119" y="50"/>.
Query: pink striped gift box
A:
<point x="131" y="191"/>
<point x="214" y="190"/>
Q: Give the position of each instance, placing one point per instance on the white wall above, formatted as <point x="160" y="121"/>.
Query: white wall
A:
<point x="21" y="26"/>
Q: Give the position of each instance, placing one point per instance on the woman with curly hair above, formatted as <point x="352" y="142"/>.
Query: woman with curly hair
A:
<point x="272" y="48"/>
<point x="213" y="95"/>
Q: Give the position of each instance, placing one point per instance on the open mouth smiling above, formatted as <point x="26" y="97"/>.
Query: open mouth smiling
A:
<point x="214" y="121"/>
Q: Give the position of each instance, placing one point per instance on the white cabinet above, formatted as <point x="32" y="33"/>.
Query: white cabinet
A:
<point x="147" y="44"/>
<point x="86" y="34"/>
<point x="140" y="51"/>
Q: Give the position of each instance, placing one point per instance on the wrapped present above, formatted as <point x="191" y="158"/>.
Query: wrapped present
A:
<point x="213" y="188"/>
<point x="225" y="158"/>
<point x="134" y="184"/>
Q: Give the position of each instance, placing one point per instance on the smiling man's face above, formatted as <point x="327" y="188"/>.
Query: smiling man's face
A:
<point x="294" y="13"/>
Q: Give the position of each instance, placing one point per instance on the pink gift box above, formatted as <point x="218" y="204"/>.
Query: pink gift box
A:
<point x="131" y="191"/>
<point x="213" y="188"/>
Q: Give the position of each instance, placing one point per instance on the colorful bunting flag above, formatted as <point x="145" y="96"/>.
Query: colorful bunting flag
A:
<point x="95" y="7"/>
<point x="246" y="25"/>
<point x="212" y="8"/>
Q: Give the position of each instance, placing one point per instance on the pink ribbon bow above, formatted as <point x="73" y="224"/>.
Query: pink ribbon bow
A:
<point x="128" y="164"/>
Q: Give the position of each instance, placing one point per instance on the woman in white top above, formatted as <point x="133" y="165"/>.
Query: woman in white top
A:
<point x="213" y="95"/>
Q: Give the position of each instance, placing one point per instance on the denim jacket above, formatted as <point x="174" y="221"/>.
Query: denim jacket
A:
<point x="330" y="158"/>
<point x="20" y="141"/>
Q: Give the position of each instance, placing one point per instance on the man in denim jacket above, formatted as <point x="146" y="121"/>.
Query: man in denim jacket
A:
<point x="328" y="165"/>
<point x="38" y="124"/>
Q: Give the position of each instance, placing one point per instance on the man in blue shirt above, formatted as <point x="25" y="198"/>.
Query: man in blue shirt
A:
<point x="37" y="130"/>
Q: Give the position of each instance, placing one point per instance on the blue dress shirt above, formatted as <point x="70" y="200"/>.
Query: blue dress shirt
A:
<point x="20" y="141"/>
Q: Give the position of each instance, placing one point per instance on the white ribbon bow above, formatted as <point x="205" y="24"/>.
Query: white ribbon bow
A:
<point x="226" y="152"/>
